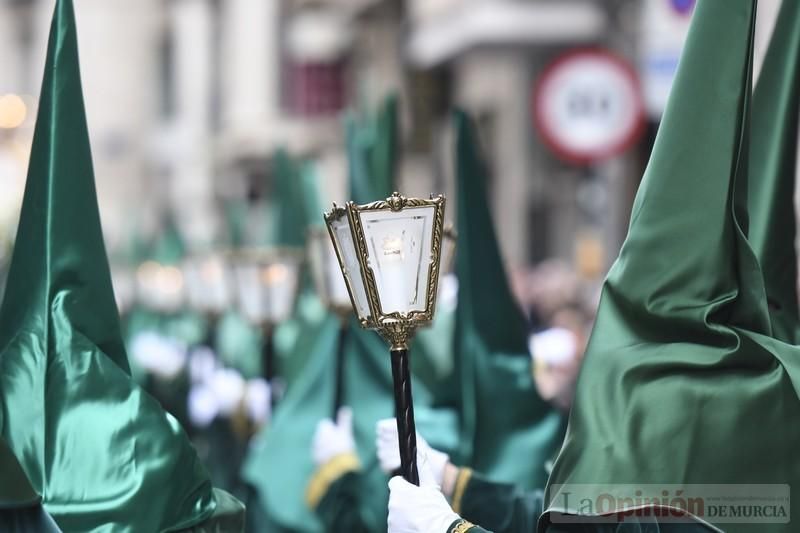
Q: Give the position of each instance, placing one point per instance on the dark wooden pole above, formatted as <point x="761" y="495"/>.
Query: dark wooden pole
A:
<point x="404" y="409"/>
<point x="269" y="367"/>
<point x="338" y="395"/>
<point x="268" y="356"/>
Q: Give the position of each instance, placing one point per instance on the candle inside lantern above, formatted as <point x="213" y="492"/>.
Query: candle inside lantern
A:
<point x="160" y="287"/>
<point x="390" y="265"/>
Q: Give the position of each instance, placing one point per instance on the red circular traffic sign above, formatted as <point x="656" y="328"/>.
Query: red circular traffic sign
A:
<point x="588" y="106"/>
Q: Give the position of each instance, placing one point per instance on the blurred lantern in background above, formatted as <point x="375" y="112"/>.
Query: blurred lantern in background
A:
<point x="208" y="283"/>
<point x="333" y="292"/>
<point x="160" y="287"/>
<point x="390" y="255"/>
<point x="12" y="111"/>
<point x="266" y="282"/>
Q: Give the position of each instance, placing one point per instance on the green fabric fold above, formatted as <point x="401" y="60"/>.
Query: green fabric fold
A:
<point x="773" y="167"/>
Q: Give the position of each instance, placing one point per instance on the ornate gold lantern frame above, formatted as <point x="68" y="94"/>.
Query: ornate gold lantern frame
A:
<point x="395" y="327"/>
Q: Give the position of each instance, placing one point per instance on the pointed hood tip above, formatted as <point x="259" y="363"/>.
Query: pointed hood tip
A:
<point x="60" y="248"/>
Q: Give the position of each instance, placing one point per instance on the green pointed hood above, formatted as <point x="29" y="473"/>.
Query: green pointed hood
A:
<point x="503" y="419"/>
<point x="682" y="382"/>
<point x="235" y="210"/>
<point x="169" y="247"/>
<point x="372" y="154"/>
<point x="776" y="105"/>
<point x="59" y="266"/>
<point x="101" y="452"/>
<point x="299" y="210"/>
<point x="290" y="213"/>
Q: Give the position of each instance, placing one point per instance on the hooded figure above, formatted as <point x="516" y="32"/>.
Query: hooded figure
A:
<point x="501" y="417"/>
<point x="295" y="493"/>
<point x="690" y="378"/>
<point x="101" y="452"/>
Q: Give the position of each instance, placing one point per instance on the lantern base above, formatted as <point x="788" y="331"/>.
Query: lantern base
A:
<point x="396" y="334"/>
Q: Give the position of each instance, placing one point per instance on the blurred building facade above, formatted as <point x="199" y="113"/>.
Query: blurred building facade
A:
<point x="187" y="100"/>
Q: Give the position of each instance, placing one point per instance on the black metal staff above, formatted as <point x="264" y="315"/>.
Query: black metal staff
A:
<point x="269" y="366"/>
<point x="404" y="411"/>
<point x="338" y="394"/>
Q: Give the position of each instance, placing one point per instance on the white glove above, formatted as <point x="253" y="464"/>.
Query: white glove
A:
<point x="557" y="361"/>
<point x="203" y="406"/>
<point x="257" y="400"/>
<point x="422" y="509"/>
<point x="159" y="355"/>
<point x="388" y="450"/>
<point x="332" y="439"/>
<point x="202" y="364"/>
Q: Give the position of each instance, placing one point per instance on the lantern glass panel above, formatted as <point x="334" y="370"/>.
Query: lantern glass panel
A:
<point x="207" y="285"/>
<point x="160" y="287"/>
<point x="266" y="289"/>
<point x="343" y="240"/>
<point x="327" y="272"/>
<point x="399" y="249"/>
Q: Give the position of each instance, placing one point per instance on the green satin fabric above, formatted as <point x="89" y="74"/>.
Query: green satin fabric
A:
<point x="296" y="210"/>
<point x="372" y="154"/>
<point x="100" y="451"/>
<point x="32" y="519"/>
<point x="506" y="431"/>
<point x="682" y="382"/>
<point x="169" y="247"/>
<point x="776" y="104"/>
<point x="239" y="344"/>
<point x="291" y="219"/>
<point x="341" y="509"/>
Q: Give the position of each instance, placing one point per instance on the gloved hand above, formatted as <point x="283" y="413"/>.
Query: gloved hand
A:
<point x="228" y="387"/>
<point x="556" y="362"/>
<point x="257" y="400"/>
<point x="158" y="354"/>
<point x="422" y="509"/>
<point x="388" y="450"/>
<point x="332" y="439"/>
<point x="203" y="405"/>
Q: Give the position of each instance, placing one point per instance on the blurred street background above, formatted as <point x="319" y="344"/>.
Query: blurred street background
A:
<point x="188" y="101"/>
